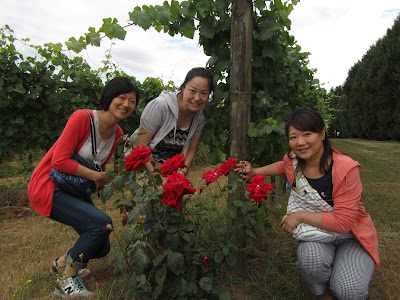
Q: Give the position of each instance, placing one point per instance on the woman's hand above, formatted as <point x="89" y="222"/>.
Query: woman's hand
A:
<point x="184" y="171"/>
<point x="290" y="221"/>
<point x="101" y="179"/>
<point x="245" y="169"/>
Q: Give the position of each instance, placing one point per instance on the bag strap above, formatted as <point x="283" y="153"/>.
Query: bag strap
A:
<point x="93" y="135"/>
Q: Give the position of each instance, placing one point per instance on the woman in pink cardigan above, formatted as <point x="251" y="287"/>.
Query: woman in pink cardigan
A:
<point x="338" y="259"/>
<point x="118" y="100"/>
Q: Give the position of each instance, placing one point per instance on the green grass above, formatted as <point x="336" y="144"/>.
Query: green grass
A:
<point x="30" y="243"/>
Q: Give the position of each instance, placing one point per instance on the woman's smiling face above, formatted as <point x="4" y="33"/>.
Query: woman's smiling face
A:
<point x="123" y="105"/>
<point x="307" y="145"/>
<point x="195" y="94"/>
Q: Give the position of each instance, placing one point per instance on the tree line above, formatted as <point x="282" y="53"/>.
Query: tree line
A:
<point x="367" y="105"/>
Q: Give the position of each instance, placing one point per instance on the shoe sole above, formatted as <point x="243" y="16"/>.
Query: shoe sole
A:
<point x="58" y="293"/>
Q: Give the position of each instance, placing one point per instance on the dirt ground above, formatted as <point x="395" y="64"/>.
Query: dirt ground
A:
<point x="14" y="203"/>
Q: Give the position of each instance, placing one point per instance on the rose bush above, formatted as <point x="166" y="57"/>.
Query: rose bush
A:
<point x="171" y="255"/>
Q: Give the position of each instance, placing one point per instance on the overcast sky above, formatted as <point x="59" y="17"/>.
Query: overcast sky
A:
<point x="336" y="32"/>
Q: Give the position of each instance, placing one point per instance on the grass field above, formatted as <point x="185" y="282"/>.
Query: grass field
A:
<point x="29" y="243"/>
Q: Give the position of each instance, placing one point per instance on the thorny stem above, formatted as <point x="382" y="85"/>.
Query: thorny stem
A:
<point x="123" y="251"/>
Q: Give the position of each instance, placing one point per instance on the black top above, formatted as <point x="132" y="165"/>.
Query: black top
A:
<point x="322" y="185"/>
<point x="171" y="145"/>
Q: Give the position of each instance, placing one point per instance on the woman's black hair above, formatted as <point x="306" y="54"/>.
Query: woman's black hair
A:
<point x="115" y="87"/>
<point x="199" y="72"/>
<point x="306" y="119"/>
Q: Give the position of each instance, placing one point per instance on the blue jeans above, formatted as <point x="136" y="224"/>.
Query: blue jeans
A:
<point x="88" y="221"/>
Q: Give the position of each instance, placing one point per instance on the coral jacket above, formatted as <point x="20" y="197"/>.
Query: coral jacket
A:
<point x="349" y="213"/>
<point x="76" y="132"/>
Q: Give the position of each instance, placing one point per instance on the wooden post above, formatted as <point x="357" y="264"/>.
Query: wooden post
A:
<point x="240" y="102"/>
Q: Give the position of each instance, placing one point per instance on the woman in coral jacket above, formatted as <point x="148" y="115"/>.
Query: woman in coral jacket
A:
<point x="317" y="172"/>
<point x="118" y="100"/>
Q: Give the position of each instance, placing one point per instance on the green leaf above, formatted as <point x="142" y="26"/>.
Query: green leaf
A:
<point x="237" y="203"/>
<point x="118" y="32"/>
<point x="112" y="29"/>
<point x="231" y="260"/>
<point x="157" y="292"/>
<point x="232" y="213"/>
<point x="182" y="287"/>
<point x="118" y="183"/>
<point x="207" y="29"/>
<point x="171" y="229"/>
<point x="136" y="189"/>
<point x="250" y="233"/>
<point x="140" y="18"/>
<point x="190" y="227"/>
<point x="75" y="45"/>
<point x="175" y="8"/>
<point x="224" y="296"/>
<point x="140" y="261"/>
<point x="25" y="66"/>
<point x="161" y="275"/>
<point x="188" y="32"/>
<point x="93" y="38"/>
<point x="173" y="240"/>
<point x="203" y="7"/>
<point x="225" y="251"/>
<point x="187" y="10"/>
<point x="134" y="214"/>
<point x="107" y="193"/>
<point x="206" y="283"/>
<point x="192" y="272"/>
<point x="19" y="121"/>
<point x="191" y="288"/>
<point x="219" y="257"/>
<point x="176" y="262"/>
<point x="163" y="14"/>
<point x="158" y="259"/>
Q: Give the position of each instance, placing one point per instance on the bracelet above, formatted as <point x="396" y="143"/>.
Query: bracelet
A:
<point x="184" y="171"/>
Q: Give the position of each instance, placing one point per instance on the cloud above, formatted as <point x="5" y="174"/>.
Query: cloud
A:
<point x="337" y="33"/>
<point x="142" y="54"/>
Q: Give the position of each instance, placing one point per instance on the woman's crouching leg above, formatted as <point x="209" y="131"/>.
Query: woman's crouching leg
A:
<point x="314" y="261"/>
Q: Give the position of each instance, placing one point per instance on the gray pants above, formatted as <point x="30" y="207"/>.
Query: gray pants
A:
<point x="342" y="265"/>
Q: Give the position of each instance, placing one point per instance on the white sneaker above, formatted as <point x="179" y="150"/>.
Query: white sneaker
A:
<point x="71" y="287"/>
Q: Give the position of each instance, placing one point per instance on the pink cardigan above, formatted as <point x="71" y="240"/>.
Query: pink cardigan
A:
<point x="349" y="213"/>
<point x="76" y="132"/>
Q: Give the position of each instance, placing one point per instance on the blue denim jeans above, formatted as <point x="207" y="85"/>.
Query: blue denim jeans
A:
<point x="88" y="221"/>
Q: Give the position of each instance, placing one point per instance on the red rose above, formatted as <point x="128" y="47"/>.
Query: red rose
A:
<point x="124" y="219"/>
<point x="175" y="188"/>
<point x="173" y="164"/>
<point x="258" y="189"/>
<point x="227" y="166"/>
<point x="173" y="200"/>
<point x="108" y="228"/>
<point x="138" y="157"/>
<point x="211" y="176"/>
<point x="205" y="262"/>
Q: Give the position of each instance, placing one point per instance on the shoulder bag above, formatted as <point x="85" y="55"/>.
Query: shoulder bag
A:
<point x="73" y="185"/>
